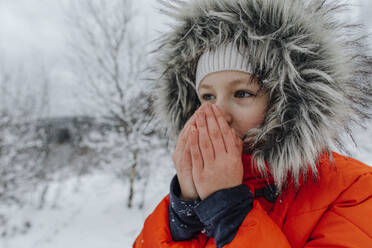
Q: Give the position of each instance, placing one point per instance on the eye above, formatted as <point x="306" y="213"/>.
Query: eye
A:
<point x="208" y="97"/>
<point x="242" y="94"/>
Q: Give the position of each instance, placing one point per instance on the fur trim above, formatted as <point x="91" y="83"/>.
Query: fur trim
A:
<point x="311" y="64"/>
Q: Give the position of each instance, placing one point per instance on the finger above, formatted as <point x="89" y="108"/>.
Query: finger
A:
<point x="201" y="109"/>
<point x="182" y="141"/>
<point x="182" y="138"/>
<point x="187" y="154"/>
<point x="190" y="120"/>
<point x="238" y="140"/>
<point x="226" y="130"/>
<point x="205" y="143"/>
<point x="196" y="156"/>
<point x="214" y="131"/>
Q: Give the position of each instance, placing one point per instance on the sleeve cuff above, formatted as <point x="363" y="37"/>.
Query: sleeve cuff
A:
<point x="175" y="192"/>
<point x="223" y="212"/>
<point x="183" y="222"/>
<point x="221" y="200"/>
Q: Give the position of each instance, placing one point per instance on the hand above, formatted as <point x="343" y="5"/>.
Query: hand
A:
<point x="215" y="152"/>
<point x="182" y="160"/>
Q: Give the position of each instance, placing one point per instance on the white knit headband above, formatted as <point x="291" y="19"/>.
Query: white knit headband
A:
<point x="224" y="58"/>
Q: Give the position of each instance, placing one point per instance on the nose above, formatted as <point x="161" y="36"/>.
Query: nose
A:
<point x="226" y="111"/>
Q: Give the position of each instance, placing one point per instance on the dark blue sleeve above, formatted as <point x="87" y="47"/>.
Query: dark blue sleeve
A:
<point x="183" y="222"/>
<point x="223" y="212"/>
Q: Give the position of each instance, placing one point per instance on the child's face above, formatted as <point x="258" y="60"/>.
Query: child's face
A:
<point x="243" y="105"/>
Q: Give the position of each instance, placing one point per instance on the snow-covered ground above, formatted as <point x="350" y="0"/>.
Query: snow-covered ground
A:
<point x="88" y="212"/>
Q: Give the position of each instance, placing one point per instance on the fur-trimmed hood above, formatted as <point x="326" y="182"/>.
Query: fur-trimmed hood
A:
<point x="311" y="64"/>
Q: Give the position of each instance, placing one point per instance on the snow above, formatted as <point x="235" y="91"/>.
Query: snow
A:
<point x="361" y="149"/>
<point x="90" y="212"/>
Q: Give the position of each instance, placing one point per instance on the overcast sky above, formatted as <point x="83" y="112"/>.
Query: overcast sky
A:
<point x="35" y="31"/>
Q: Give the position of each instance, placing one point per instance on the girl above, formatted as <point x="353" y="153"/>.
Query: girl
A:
<point x="257" y="92"/>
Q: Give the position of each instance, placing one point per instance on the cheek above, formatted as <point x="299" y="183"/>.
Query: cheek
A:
<point x="252" y="117"/>
<point x="252" y="120"/>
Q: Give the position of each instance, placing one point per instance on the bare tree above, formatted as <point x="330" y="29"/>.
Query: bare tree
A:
<point x="21" y="153"/>
<point x="109" y="58"/>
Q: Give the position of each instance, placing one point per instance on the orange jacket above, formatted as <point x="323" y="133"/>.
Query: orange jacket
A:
<point x="333" y="211"/>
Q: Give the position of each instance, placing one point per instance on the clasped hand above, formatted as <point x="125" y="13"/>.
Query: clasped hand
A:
<point x="208" y="154"/>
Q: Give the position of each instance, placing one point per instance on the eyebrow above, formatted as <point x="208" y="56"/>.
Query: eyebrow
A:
<point x="233" y="83"/>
